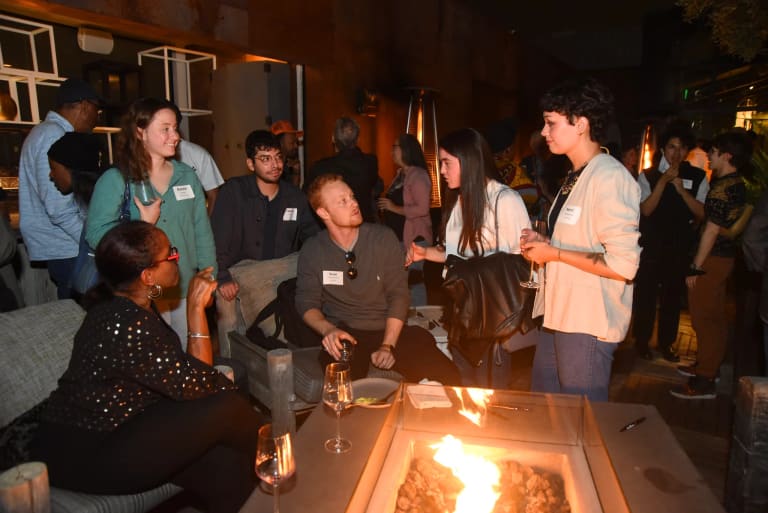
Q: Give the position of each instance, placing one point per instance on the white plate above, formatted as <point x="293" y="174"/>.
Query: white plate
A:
<point x="377" y="388"/>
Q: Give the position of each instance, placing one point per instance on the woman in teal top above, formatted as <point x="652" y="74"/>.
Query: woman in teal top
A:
<point x="145" y="151"/>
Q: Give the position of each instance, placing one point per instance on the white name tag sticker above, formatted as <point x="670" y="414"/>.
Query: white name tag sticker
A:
<point x="569" y="215"/>
<point x="333" y="278"/>
<point x="687" y="184"/>
<point x="290" y="214"/>
<point x="183" y="192"/>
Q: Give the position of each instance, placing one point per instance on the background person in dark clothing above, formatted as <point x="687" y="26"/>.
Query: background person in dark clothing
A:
<point x="729" y="159"/>
<point x="257" y="217"/>
<point x="672" y="205"/>
<point x="359" y="170"/>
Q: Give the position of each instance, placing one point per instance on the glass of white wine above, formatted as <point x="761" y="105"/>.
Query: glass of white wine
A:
<point x="274" y="460"/>
<point x="337" y="394"/>
<point x="540" y="227"/>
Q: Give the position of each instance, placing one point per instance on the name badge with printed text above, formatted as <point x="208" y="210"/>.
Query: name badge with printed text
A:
<point x="290" y="214"/>
<point x="687" y="184"/>
<point x="569" y="215"/>
<point x="183" y="192"/>
<point x="333" y="278"/>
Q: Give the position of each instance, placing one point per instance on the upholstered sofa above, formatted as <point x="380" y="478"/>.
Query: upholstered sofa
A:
<point x="36" y="347"/>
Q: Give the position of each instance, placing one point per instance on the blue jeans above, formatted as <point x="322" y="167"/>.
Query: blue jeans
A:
<point x="572" y="363"/>
<point x="60" y="271"/>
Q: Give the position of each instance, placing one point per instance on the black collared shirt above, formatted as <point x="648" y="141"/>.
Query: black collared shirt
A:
<point x="246" y="225"/>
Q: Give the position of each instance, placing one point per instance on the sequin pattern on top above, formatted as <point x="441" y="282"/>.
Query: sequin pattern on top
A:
<point x="125" y="359"/>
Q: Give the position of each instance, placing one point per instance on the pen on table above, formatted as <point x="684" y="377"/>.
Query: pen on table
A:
<point x="632" y="424"/>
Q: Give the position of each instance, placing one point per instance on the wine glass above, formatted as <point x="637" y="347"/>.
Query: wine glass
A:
<point x="337" y="393"/>
<point x="540" y="227"/>
<point x="274" y="460"/>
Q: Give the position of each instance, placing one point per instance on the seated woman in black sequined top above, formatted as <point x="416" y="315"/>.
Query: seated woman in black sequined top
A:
<point x="132" y="410"/>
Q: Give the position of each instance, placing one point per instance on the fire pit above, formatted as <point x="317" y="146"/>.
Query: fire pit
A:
<point x="485" y="452"/>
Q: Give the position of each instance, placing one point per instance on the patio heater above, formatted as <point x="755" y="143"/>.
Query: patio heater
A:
<point x="422" y="123"/>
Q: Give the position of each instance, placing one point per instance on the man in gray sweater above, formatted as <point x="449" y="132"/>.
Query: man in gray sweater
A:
<point x="352" y="285"/>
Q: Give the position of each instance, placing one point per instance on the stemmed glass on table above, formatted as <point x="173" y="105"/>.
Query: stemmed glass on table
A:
<point x="337" y="394"/>
<point x="540" y="227"/>
<point x="274" y="460"/>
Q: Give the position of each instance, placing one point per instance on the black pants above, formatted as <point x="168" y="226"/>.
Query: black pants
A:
<point x="207" y="446"/>
<point x="416" y="356"/>
<point x="661" y="275"/>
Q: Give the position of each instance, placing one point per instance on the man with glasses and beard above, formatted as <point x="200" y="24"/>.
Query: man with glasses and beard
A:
<point x="256" y="217"/>
<point x="352" y="285"/>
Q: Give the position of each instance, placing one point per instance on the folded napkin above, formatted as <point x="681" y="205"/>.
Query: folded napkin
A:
<point x="428" y="396"/>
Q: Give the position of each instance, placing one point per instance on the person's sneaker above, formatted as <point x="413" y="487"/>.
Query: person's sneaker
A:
<point x="697" y="387"/>
<point x="669" y="355"/>
<point x="689" y="371"/>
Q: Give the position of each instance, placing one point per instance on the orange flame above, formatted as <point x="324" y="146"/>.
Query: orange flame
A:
<point x="480" y="397"/>
<point x="479" y="476"/>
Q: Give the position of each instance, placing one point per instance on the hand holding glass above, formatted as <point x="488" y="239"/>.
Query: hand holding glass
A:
<point x="539" y="227"/>
<point x="337" y="394"/>
<point x="274" y="460"/>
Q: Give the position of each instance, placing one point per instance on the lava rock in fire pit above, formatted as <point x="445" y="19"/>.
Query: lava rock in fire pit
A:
<point x="430" y="487"/>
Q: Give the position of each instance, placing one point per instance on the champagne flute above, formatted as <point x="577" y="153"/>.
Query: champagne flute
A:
<point x="337" y="394"/>
<point x="274" y="460"/>
<point x="539" y="226"/>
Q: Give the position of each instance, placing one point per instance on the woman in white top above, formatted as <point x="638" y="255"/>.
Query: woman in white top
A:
<point x="469" y="223"/>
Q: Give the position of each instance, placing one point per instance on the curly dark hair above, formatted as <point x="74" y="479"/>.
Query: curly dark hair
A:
<point x="582" y="97"/>
<point x="260" y="140"/>
<point x="677" y="129"/>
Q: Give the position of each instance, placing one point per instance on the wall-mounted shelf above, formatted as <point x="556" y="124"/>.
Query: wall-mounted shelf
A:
<point x="27" y="61"/>
<point x="177" y="63"/>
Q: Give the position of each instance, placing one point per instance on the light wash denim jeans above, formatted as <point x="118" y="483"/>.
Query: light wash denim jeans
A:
<point x="572" y="363"/>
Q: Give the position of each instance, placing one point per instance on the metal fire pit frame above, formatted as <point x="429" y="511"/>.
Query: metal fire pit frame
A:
<point x="553" y="424"/>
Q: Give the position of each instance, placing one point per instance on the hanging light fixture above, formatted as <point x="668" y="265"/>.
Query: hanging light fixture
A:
<point x="422" y="123"/>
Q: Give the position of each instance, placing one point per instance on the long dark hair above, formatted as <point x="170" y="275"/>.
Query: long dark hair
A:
<point x="130" y="155"/>
<point x="122" y="254"/>
<point x="477" y="165"/>
<point x="411" y="151"/>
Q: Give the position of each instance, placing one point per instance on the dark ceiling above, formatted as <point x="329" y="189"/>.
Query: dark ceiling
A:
<point x="587" y="34"/>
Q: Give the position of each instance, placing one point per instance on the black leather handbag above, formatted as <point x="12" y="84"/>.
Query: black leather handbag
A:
<point x="486" y="303"/>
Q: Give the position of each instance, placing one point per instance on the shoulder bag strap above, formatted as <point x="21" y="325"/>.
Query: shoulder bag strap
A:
<point x="496" y="215"/>
<point x="125" y="207"/>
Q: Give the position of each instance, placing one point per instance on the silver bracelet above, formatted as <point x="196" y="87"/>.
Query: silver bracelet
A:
<point x="197" y="335"/>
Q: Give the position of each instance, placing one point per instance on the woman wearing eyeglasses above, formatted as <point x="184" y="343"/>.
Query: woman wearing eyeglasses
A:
<point x="133" y="410"/>
<point x="145" y="151"/>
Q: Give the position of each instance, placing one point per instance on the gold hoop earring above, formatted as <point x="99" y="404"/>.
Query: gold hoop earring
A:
<point x="155" y="291"/>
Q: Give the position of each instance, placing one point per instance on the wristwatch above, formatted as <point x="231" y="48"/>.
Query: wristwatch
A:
<point x="695" y="271"/>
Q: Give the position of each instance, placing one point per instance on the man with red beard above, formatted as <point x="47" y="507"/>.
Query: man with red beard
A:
<point x="352" y="285"/>
<point x="256" y="217"/>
